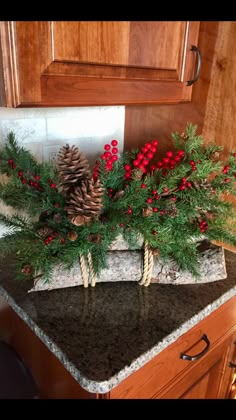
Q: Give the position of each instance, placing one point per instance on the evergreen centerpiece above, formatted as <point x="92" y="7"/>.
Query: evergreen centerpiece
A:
<point x="72" y="214"/>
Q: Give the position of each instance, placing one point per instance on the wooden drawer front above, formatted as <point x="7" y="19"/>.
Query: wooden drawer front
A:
<point x="167" y="366"/>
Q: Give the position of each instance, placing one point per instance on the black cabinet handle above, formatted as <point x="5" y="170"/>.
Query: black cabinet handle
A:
<point x="232" y="365"/>
<point x="199" y="64"/>
<point x="185" y="356"/>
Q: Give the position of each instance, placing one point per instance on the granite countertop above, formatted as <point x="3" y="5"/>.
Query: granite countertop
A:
<point x="103" y="334"/>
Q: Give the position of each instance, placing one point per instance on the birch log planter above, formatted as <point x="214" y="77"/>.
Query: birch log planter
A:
<point x="127" y="265"/>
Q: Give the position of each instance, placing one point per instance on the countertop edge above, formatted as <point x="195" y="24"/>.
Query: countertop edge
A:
<point x="106" y="386"/>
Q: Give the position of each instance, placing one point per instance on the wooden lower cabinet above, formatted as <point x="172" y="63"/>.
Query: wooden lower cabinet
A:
<point x="210" y="379"/>
<point x="211" y="376"/>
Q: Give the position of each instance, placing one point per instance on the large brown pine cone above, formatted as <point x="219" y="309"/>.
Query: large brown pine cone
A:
<point x="85" y="202"/>
<point x="73" y="167"/>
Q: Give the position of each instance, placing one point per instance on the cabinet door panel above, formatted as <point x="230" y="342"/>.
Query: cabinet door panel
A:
<point x="97" y="63"/>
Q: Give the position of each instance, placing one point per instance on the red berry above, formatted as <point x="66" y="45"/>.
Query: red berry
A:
<point x="144" y="170"/>
<point x="110" y="194"/>
<point x="172" y="162"/>
<point x="35" y="184"/>
<point x="122" y="224"/>
<point x="194" y="168"/>
<point x="129" y="211"/>
<point x="13" y="166"/>
<point x="192" y="162"/>
<point x="165" y="189"/>
<point x="46" y="241"/>
<point x="177" y="158"/>
<point x="149" y="200"/>
<point x="136" y="162"/>
<point x="189" y="184"/>
<point x="107" y="154"/>
<point x="162" y="212"/>
<point x="37" y="177"/>
<point x="182" y="187"/>
<point x="174" y="198"/>
<point x="155" y="209"/>
<point x="149" y="155"/>
<point x="148" y="145"/>
<point x="180" y="153"/>
<point x="144" y="149"/>
<point x="154" y="192"/>
<point x="10" y="161"/>
<point x="95" y="177"/>
<point x="140" y="156"/>
<point x="50" y="180"/>
<point x="103" y="156"/>
<point x="166" y="160"/>
<point x="114" y="158"/>
<point x="114" y="142"/>
<point x="63" y="240"/>
<point x="157" y="197"/>
<point x="114" y="150"/>
<point x="227" y="179"/>
<point x="169" y="154"/>
<point x="53" y="185"/>
<point x="143" y="185"/>
<point x="234" y="154"/>
<point x="184" y="180"/>
<point x="153" y="149"/>
<point x="56" y="205"/>
<point x="128" y="175"/>
<point x="159" y="165"/>
<point x="127" y="168"/>
<point x="55" y="234"/>
<point x="23" y="180"/>
<point x="31" y="183"/>
<point x="145" y="162"/>
<point x="95" y="169"/>
<point x="152" y="167"/>
<point x="20" y="173"/>
<point x="154" y="232"/>
<point x="155" y="143"/>
<point x="107" y="147"/>
<point x="50" y="238"/>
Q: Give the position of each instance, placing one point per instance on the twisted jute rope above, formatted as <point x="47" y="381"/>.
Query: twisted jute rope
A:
<point x="148" y="266"/>
<point x="91" y="269"/>
<point x="87" y="270"/>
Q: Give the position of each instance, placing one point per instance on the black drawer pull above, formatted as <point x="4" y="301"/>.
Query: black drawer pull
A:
<point x="199" y="64"/>
<point x="185" y="356"/>
<point x="232" y="365"/>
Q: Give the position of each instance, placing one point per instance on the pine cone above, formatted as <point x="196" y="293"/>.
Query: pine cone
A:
<point x="201" y="184"/>
<point x="27" y="269"/>
<point x="147" y="211"/>
<point x="72" y="236"/>
<point x="73" y="167"/>
<point x="215" y="156"/>
<point x="57" y="218"/>
<point x="172" y="212"/>
<point x="118" y="195"/>
<point x="95" y="238"/>
<point x="85" y="201"/>
<point x="45" y="231"/>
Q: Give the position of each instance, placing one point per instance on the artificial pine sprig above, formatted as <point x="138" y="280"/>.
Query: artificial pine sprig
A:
<point x="170" y="202"/>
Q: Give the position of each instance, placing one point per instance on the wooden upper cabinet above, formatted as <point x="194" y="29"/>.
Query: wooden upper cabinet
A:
<point x="97" y="63"/>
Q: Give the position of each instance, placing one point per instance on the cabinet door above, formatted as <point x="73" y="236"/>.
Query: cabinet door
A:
<point x="98" y="63"/>
<point x="231" y="394"/>
<point x="210" y="378"/>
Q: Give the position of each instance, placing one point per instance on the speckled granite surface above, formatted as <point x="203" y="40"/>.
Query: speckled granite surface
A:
<point x="102" y="335"/>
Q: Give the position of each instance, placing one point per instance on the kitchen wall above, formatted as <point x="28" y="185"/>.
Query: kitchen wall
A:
<point x="44" y="130"/>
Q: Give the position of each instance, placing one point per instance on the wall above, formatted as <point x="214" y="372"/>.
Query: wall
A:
<point x="43" y="131"/>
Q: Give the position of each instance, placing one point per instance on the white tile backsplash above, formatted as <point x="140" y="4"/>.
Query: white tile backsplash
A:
<point x="87" y="127"/>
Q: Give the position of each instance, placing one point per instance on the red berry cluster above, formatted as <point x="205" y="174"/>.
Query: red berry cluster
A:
<point x="185" y="184"/>
<point x="52" y="184"/>
<point x="12" y="163"/>
<point x="203" y="226"/>
<point x="142" y="160"/>
<point x="110" y="192"/>
<point x="193" y="164"/>
<point x="110" y="155"/>
<point x="128" y="173"/>
<point x="169" y="161"/>
<point x="50" y="238"/>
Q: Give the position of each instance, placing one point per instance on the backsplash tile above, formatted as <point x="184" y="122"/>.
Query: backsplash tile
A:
<point x="87" y="127"/>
